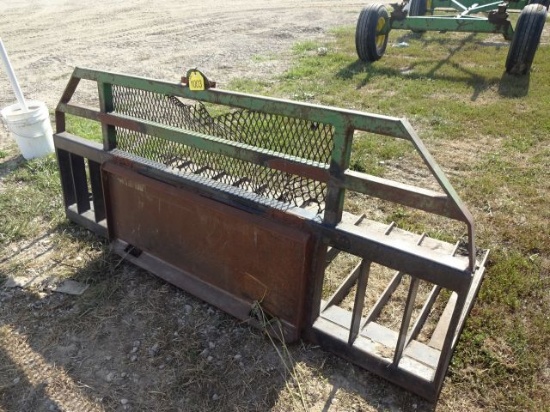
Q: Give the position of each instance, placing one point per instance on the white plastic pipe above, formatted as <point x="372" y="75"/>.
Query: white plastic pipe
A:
<point x="13" y="79"/>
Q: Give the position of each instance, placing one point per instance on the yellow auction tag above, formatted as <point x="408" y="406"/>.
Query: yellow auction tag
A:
<point x="196" y="80"/>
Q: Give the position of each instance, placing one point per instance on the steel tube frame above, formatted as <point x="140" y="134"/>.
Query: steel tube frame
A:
<point x="345" y="332"/>
<point x="460" y="16"/>
<point x="476" y="5"/>
<point x="344" y="121"/>
<point x="466" y="24"/>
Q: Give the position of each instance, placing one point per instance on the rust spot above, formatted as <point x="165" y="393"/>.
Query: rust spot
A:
<point x="309" y="171"/>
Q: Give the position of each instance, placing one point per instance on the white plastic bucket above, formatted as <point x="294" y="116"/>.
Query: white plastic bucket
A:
<point x="31" y="130"/>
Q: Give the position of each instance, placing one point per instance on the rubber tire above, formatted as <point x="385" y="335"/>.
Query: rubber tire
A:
<point x="526" y="39"/>
<point x="418" y="8"/>
<point x="545" y="3"/>
<point x="368" y="44"/>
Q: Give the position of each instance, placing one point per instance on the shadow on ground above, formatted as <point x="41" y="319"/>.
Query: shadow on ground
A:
<point x="509" y="86"/>
<point x="135" y="342"/>
<point x="9" y="164"/>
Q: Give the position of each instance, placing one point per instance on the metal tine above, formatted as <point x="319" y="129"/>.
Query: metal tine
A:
<point x="409" y="306"/>
<point x="419" y="324"/>
<point x="261" y="189"/>
<point x="219" y="175"/>
<point x="299" y="201"/>
<point x="241" y="181"/>
<point x="171" y="159"/>
<point x="377" y="308"/>
<point x="331" y="255"/>
<point x="457" y="245"/>
<point x="303" y="202"/>
<point x="184" y="164"/>
<point x="343" y="289"/>
<point x="348" y="283"/>
<point x="333" y="252"/>
<point x="391" y="226"/>
<point x="359" y="303"/>
<point x="202" y="169"/>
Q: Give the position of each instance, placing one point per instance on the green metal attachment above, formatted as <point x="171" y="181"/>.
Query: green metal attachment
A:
<point x="240" y="199"/>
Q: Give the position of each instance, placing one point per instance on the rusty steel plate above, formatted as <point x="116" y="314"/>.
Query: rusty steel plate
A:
<point x="238" y="258"/>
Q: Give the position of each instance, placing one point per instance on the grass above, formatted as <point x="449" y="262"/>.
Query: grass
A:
<point x="30" y="200"/>
<point x="268" y="325"/>
<point x="83" y="128"/>
<point x="489" y="131"/>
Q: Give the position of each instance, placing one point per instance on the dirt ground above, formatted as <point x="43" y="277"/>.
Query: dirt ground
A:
<point x="137" y="343"/>
<point x="46" y="39"/>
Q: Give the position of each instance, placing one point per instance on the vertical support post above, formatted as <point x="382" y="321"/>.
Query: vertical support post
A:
<point x="60" y="125"/>
<point x="317" y="276"/>
<point x="344" y="288"/>
<point x="106" y="106"/>
<point x="409" y="305"/>
<point x="424" y="313"/>
<point x="383" y="299"/>
<point x="80" y="183"/>
<point x="66" y="174"/>
<point x="339" y="162"/>
<point x="60" y="122"/>
<point x="471" y="246"/>
<point x="447" y="349"/>
<point x="97" y="190"/>
<point x="359" y="303"/>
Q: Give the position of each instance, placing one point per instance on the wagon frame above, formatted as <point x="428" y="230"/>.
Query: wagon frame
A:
<point x="485" y="16"/>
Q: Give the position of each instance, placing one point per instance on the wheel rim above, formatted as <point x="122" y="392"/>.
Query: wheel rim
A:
<point x="380" y="36"/>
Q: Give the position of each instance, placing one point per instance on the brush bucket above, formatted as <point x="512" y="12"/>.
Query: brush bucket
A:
<point x="31" y="129"/>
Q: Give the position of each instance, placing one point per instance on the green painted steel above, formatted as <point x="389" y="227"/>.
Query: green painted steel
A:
<point x="105" y="91"/>
<point x="449" y="4"/>
<point x="379" y="124"/>
<point x="336" y="175"/>
<point x="341" y="154"/>
<point x="469" y="16"/>
<point x="212" y="144"/>
<point x="268" y="163"/>
<point x="466" y="24"/>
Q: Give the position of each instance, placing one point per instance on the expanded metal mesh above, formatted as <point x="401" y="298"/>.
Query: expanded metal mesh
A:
<point x="287" y="135"/>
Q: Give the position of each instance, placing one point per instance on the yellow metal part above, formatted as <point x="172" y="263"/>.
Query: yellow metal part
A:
<point x="380" y="33"/>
